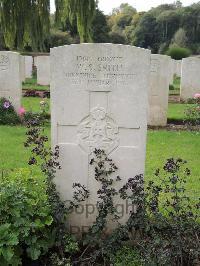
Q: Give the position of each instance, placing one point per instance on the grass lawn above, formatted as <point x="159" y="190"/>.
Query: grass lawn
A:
<point x="176" y="111"/>
<point x="12" y="151"/>
<point x="177" y="81"/>
<point x="31" y="84"/>
<point x="33" y="103"/>
<point x="161" y="145"/>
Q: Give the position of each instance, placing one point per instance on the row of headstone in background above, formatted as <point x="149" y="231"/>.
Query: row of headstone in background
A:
<point x="42" y="64"/>
<point x="28" y="66"/>
<point x="188" y="70"/>
<point x="190" y="77"/>
<point x="177" y="67"/>
<point x="11" y="68"/>
<point x="160" y="79"/>
<point x="22" y="68"/>
<point x="158" y="95"/>
<point x="43" y="70"/>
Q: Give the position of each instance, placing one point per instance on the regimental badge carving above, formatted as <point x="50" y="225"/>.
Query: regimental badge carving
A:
<point x="98" y="131"/>
<point x="4" y="62"/>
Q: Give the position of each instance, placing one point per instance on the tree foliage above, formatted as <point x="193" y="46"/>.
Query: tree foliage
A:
<point x="27" y="24"/>
<point x="180" y="38"/>
<point x="25" y="21"/>
<point x="80" y="11"/>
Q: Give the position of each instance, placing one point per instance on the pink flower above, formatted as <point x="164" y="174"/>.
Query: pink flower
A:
<point x="22" y="111"/>
<point x="197" y="96"/>
<point x="6" y="105"/>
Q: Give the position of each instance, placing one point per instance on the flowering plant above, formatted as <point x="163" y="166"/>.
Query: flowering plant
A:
<point x="7" y="104"/>
<point x="197" y="98"/>
<point x="193" y="111"/>
<point x="44" y="106"/>
<point x="8" y="116"/>
<point x="22" y="111"/>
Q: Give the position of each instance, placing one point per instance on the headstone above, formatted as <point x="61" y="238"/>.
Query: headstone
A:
<point x="190" y="77"/>
<point x="35" y="61"/>
<point x="177" y="71"/>
<point x="43" y="70"/>
<point x="159" y="90"/>
<point x="22" y="68"/>
<point x="99" y="100"/>
<point x="171" y="71"/>
<point x="28" y="66"/>
<point x="10" y="78"/>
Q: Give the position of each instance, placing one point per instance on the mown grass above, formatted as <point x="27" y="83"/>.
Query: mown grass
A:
<point x="177" y="81"/>
<point x="161" y="145"/>
<point x="31" y="84"/>
<point x="32" y="104"/>
<point x="176" y="111"/>
<point x="12" y="151"/>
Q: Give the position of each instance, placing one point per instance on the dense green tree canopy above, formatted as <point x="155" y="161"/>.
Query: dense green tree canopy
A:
<point x="80" y="11"/>
<point x="27" y="22"/>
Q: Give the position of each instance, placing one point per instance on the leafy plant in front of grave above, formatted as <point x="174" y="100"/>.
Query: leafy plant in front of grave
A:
<point x="25" y="217"/>
<point x="127" y="256"/>
<point x="95" y="245"/>
<point x="8" y="115"/>
<point x="172" y="228"/>
<point x="192" y="113"/>
<point x="64" y="245"/>
<point x="163" y="227"/>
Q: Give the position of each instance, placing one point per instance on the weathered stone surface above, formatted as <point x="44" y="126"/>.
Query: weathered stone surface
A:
<point x="43" y="70"/>
<point x="177" y="68"/>
<point x="190" y="77"/>
<point x="171" y="71"/>
<point x="10" y="78"/>
<point x="99" y="100"/>
<point x="28" y="66"/>
<point x="22" y="68"/>
<point x="159" y="90"/>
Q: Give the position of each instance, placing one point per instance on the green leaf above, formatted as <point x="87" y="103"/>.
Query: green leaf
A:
<point x="7" y="253"/>
<point x="49" y="220"/>
<point x="33" y="253"/>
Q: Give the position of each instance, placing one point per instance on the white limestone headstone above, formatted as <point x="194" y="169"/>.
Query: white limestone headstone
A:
<point x="171" y="71"/>
<point x="28" y="66"/>
<point x="99" y="100"/>
<point x="159" y="90"/>
<point x="190" y="77"/>
<point x="35" y="61"/>
<point x="10" y="78"/>
<point x="22" y="68"/>
<point x="43" y="70"/>
<point x="178" y="67"/>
